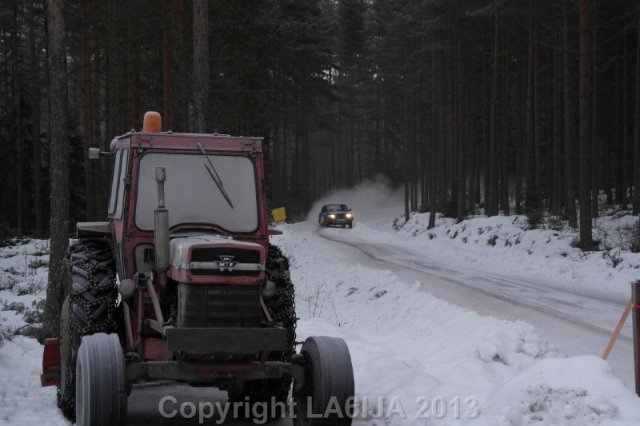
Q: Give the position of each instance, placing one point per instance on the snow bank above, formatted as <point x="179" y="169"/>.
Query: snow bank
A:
<point x="504" y="244"/>
<point x="573" y="391"/>
<point x="417" y="357"/>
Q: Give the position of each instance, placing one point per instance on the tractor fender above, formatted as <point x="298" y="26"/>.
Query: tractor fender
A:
<point x="50" y="363"/>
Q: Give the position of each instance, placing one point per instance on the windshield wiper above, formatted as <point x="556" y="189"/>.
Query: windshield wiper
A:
<point x="214" y="174"/>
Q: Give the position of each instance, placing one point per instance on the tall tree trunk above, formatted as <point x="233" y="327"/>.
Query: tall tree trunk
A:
<point x="504" y="157"/>
<point x="532" y="202"/>
<point x="607" y="146"/>
<point x="113" y="89"/>
<point x="520" y="137"/>
<point x="433" y="141"/>
<point x="131" y="56"/>
<point x="35" y="137"/>
<point x="624" y="199"/>
<point x="167" y="111"/>
<point x="351" y="135"/>
<point x="378" y="128"/>
<point x="130" y="70"/>
<point x="179" y="81"/>
<point x="486" y="132"/>
<point x="558" y="184"/>
<point x="619" y="150"/>
<point x="58" y="146"/>
<point x="415" y="153"/>
<point x="492" y="191"/>
<point x="19" y="135"/>
<point x="536" y="122"/>
<point x="407" y="177"/>
<point x="302" y="163"/>
<point x="458" y="103"/>
<point x="595" y="145"/>
<point x="586" y="241"/>
<point x="569" y="144"/>
<point x="87" y="119"/>
<point x="636" y="133"/>
<point x="200" y="65"/>
<point x="101" y="178"/>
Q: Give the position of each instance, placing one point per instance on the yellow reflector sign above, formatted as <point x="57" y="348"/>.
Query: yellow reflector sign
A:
<point x="279" y="214"/>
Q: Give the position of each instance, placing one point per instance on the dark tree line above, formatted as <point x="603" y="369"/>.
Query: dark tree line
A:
<point x="494" y="106"/>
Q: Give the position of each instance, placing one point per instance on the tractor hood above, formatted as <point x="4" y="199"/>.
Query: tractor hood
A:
<point x="210" y="259"/>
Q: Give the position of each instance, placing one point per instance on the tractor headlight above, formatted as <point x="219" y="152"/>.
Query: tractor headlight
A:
<point x="269" y="289"/>
<point x="349" y="216"/>
<point x="332" y="216"/>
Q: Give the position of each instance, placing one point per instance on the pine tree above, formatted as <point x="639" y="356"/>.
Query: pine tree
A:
<point x="59" y="152"/>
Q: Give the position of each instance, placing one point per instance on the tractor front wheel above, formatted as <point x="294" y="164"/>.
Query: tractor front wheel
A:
<point x="89" y="307"/>
<point x="101" y="393"/>
<point x="326" y="398"/>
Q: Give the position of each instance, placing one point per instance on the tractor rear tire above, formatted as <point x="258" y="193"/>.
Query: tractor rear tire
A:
<point x="328" y="383"/>
<point x="88" y="308"/>
<point x="101" y="392"/>
<point x="281" y="308"/>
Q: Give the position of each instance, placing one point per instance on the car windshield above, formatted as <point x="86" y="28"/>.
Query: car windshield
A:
<point x="192" y="197"/>
<point x="336" y="208"/>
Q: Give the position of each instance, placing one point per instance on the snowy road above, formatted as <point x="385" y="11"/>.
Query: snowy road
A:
<point x="576" y="322"/>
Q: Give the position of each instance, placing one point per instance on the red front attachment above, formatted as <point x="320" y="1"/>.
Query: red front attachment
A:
<point x="50" y="363"/>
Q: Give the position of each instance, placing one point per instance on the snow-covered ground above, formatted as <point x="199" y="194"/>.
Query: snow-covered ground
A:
<point x="418" y="359"/>
<point x="23" y="278"/>
<point x="435" y="359"/>
<point x="541" y="387"/>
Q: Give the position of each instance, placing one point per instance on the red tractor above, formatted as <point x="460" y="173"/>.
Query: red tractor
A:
<point x="181" y="283"/>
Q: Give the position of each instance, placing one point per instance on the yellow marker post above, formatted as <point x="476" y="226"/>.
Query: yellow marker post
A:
<point x="279" y="214"/>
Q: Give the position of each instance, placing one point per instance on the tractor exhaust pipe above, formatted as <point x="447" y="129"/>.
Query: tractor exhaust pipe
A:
<point x="161" y="230"/>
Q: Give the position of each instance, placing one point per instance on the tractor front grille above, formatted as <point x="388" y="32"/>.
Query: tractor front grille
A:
<point x="218" y="305"/>
<point x="213" y="254"/>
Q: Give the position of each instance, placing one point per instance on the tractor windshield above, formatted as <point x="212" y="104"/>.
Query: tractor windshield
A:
<point x="192" y="196"/>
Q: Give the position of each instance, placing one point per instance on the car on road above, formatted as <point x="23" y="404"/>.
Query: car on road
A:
<point x="336" y="215"/>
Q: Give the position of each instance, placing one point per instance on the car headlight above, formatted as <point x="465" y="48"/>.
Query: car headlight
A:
<point x="349" y="215"/>
<point x="332" y="216"/>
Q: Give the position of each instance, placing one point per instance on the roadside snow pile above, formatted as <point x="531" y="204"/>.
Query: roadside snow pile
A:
<point x="505" y="244"/>
<point x="418" y="358"/>
<point x="549" y="393"/>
